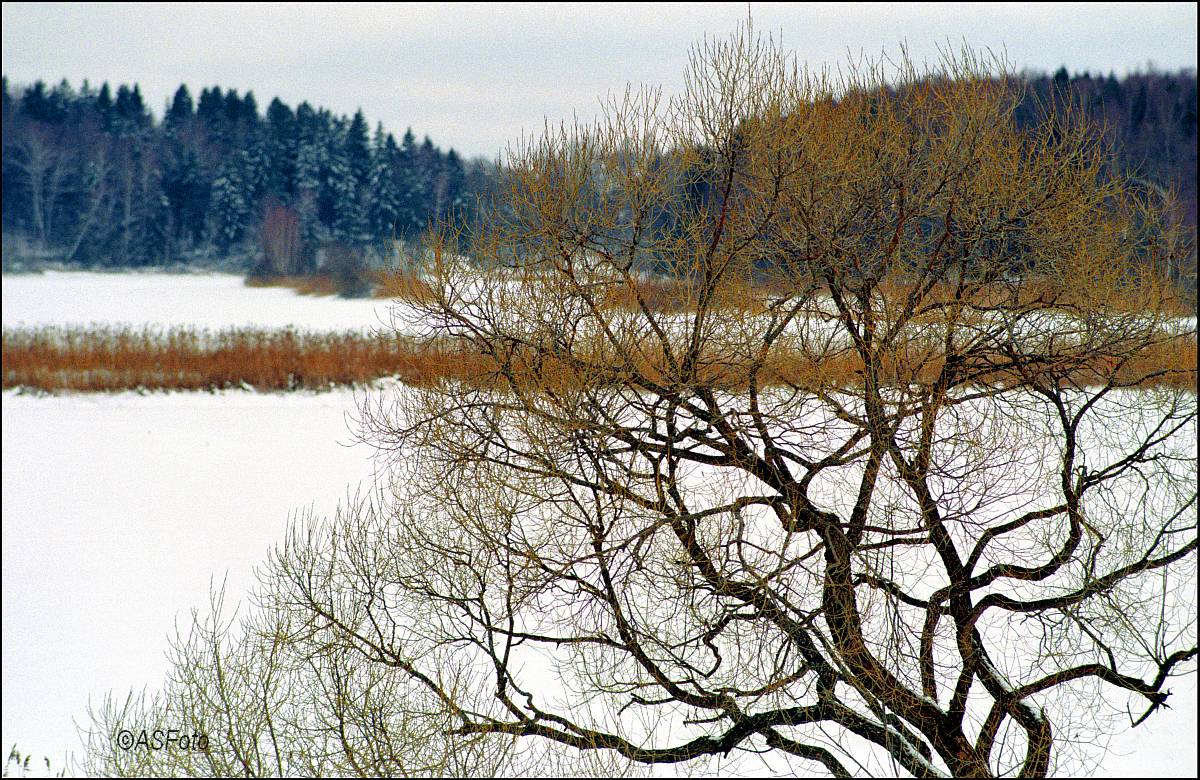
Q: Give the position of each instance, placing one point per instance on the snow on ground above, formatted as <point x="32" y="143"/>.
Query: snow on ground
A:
<point x="117" y="512"/>
<point x="212" y="301"/>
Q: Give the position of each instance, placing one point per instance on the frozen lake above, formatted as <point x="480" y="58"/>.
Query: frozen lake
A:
<point x="212" y="301"/>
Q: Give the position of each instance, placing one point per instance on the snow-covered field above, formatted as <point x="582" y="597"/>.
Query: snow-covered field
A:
<point x="120" y="510"/>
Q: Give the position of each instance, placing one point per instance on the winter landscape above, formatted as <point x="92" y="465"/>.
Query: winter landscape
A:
<point x="135" y="535"/>
<point x="791" y="425"/>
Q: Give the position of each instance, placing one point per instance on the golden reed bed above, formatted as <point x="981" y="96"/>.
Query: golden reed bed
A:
<point x="110" y="359"/>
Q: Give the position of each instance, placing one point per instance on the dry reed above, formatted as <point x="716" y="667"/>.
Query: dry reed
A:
<point x="56" y="358"/>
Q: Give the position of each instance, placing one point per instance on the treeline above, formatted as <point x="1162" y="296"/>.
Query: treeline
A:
<point x="93" y="179"/>
<point x="1150" y="117"/>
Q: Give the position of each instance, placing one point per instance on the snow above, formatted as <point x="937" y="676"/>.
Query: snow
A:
<point x="160" y="300"/>
<point x="118" y="511"/>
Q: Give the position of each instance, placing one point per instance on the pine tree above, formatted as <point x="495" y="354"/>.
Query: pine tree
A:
<point x="60" y="102"/>
<point x="130" y="111"/>
<point x="1112" y="89"/>
<point x="9" y="103"/>
<point x="249" y="113"/>
<point x="411" y="186"/>
<point x="104" y="107"/>
<point x="230" y="121"/>
<point x="327" y="131"/>
<point x="239" y="119"/>
<point x="210" y="114"/>
<point x="181" y="111"/>
<point x="210" y="105"/>
<point x="185" y="187"/>
<point x="256" y="170"/>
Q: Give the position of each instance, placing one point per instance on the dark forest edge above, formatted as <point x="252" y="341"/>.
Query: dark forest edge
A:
<point x="93" y="180"/>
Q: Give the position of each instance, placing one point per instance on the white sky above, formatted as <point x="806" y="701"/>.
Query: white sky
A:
<point x="473" y="77"/>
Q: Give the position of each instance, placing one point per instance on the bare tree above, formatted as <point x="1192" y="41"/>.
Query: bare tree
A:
<point x="280" y="240"/>
<point x="41" y="159"/>
<point x="910" y="475"/>
<point x="94" y="189"/>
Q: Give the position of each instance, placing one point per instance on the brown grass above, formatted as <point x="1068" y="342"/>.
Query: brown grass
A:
<point x="180" y="359"/>
<point x="54" y="359"/>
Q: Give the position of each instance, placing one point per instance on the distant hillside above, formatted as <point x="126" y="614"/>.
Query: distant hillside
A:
<point x="91" y="178"/>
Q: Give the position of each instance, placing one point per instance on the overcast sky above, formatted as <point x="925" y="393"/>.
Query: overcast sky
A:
<point x="473" y="77"/>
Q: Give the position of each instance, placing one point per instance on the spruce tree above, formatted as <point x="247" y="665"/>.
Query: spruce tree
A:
<point x="409" y="182"/>
<point x="104" y="107"/>
<point x="210" y="113"/>
<point x="342" y="194"/>
<point x="1137" y="113"/>
<point x="130" y="111"/>
<point x="387" y="200"/>
<point x="60" y="102"/>
<point x="231" y="203"/>
<point x="35" y="103"/>
<point x="181" y="110"/>
<point x="310" y="162"/>
<point x="187" y="193"/>
<point x="357" y="150"/>
<point x="281" y="142"/>
<point x="456" y="180"/>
